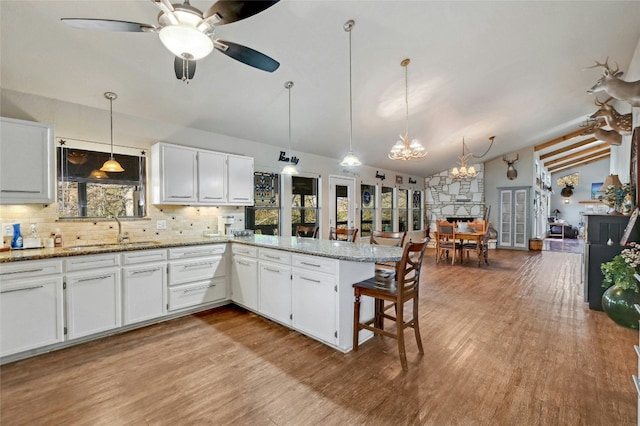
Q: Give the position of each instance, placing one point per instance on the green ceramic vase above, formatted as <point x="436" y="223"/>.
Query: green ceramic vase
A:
<point x="618" y="304"/>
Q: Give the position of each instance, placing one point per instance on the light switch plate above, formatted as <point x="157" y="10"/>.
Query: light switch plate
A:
<point x="161" y="224"/>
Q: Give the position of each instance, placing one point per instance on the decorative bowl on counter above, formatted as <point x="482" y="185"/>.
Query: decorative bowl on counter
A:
<point x="242" y="232"/>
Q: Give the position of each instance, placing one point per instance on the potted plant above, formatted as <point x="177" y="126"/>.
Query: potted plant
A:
<point x="623" y="291"/>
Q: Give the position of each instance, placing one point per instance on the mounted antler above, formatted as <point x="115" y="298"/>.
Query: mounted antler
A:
<point x="512" y="173"/>
<point x="594" y="127"/>
<point x="613" y="86"/>
<point x="621" y="123"/>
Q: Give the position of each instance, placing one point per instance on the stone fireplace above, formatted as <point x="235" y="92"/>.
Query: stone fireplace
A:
<point x="449" y="199"/>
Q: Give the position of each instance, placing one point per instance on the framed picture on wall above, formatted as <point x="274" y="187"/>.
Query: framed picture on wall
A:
<point x="596" y="193"/>
<point x="634" y="172"/>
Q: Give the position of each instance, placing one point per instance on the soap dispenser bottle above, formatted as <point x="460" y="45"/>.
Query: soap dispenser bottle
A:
<point x="16" y="240"/>
<point x="57" y="238"/>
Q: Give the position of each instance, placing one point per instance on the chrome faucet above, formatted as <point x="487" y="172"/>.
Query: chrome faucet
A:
<point x="121" y="237"/>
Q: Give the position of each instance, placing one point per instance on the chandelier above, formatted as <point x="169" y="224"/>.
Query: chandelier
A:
<point x="467" y="172"/>
<point x="406" y="149"/>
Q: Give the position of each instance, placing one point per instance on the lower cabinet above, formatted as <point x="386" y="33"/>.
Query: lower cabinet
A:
<point x="314" y="304"/>
<point x="244" y="276"/>
<point x="274" y="289"/>
<point x="196" y="276"/>
<point x="144" y="286"/>
<point x="31" y="306"/>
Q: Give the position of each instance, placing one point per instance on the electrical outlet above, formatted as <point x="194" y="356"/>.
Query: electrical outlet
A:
<point x="8" y="231"/>
<point x="161" y="224"/>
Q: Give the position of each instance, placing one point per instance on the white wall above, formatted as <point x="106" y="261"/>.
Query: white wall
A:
<point x="590" y="173"/>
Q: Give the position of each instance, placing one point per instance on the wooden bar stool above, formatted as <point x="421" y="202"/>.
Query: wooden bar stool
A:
<point x="307" y="231"/>
<point x="398" y="291"/>
<point x="341" y="234"/>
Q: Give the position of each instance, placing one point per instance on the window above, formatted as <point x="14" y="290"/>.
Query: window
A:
<point x="85" y="191"/>
<point x="403" y="210"/>
<point x="416" y="213"/>
<point x="368" y="210"/>
<point x="387" y="209"/>
<point x="264" y="216"/>
<point x="304" y="202"/>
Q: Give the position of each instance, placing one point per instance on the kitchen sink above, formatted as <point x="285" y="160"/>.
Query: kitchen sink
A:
<point x="112" y="246"/>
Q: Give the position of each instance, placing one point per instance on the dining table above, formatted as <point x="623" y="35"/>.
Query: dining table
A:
<point x="470" y="234"/>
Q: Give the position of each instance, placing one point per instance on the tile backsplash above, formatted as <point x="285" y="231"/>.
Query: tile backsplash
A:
<point x="181" y="222"/>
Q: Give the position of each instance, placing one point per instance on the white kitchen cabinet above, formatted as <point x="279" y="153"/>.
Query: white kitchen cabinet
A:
<point x="240" y="172"/>
<point x="183" y="175"/>
<point x="314" y="304"/>
<point x="244" y="276"/>
<point x="144" y="285"/>
<point x="174" y="174"/>
<point x="274" y="285"/>
<point x="27" y="166"/>
<point x="31" y="305"/>
<point x="93" y="297"/>
<point x="212" y="177"/>
<point x="197" y="275"/>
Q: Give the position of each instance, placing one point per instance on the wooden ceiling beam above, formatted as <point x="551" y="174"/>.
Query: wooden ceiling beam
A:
<point x="558" y="140"/>
<point x="575" y="155"/>
<point x="568" y="148"/>
<point x="583" y="163"/>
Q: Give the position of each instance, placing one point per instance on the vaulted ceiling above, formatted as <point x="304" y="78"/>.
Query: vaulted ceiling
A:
<point x="509" y="69"/>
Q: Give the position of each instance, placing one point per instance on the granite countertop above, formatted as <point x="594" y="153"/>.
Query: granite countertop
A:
<point x="356" y="252"/>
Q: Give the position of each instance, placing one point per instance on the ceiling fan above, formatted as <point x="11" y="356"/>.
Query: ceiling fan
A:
<point x="187" y="32"/>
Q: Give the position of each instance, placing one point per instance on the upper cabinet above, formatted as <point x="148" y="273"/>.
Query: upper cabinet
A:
<point x="183" y="175"/>
<point x="26" y="162"/>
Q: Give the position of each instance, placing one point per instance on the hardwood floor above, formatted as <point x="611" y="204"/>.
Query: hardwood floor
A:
<point x="508" y="344"/>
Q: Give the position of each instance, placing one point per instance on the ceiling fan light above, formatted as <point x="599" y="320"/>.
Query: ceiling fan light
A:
<point x="350" y="160"/>
<point x="111" y="165"/>
<point x="186" y="42"/>
<point x="289" y="169"/>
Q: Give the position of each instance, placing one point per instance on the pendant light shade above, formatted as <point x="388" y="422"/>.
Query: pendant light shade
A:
<point x="351" y="159"/>
<point x="111" y="165"/>
<point x="406" y="149"/>
<point x="290" y="168"/>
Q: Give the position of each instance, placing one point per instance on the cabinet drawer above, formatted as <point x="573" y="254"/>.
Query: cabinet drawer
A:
<point x="275" y="256"/>
<point x="184" y="296"/>
<point x="28" y="269"/>
<point x="143" y="256"/>
<point x="197" y="269"/>
<point x="244" y="250"/>
<point x="197" y="251"/>
<point x="80" y="263"/>
<point x="313" y="263"/>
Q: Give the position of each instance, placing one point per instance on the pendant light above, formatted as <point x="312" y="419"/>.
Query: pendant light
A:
<point x="290" y="168"/>
<point x="111" y="165"/>
<point x="406" y="149"/>
<point x="350" y="159"/>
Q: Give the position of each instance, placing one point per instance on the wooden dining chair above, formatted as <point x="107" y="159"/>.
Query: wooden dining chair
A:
<point x="342" y="234"/>
<point x="480" y="248"/>
<point x="445" y="241"/>
<point x="477" y="225"/>
<point x="307" y="231"/>
<point x="393" y="293"/>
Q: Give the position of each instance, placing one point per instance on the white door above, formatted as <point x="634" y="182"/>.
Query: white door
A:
<point x="240" y="180"/>
<point x="342" y="202"/>
<point x="212" y="175"/>
<point x="506" y="218"/>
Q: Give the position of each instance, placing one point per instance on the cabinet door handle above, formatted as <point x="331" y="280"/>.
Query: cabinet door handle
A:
<point x="197" y="265"/>
<point x="179" y="196"/>
<point x="101" y="277"/>
<point x="269" y="256"/>
<point x="212" y="198"/>
<point x="19" y="191"/>
<point x="190" y="290"/>
<point x="144" y="271"/>
<point x="240" y="262"/>
<point x="310" y="264"/>
<point x="277" y="271"/>
<point x="23" y="272"/>
<point x="310" y="279"/>
<point x="21" y="289"/>
<point x="240" y="198"/>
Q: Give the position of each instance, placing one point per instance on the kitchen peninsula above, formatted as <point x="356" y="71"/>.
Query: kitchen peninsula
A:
<point x="302" y="283"/>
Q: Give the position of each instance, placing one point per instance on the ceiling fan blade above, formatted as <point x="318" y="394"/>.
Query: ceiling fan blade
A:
<point x="247" y="55"/>
<point x="107" y="25"/>
<point x="231" y="11"/>
<point x="184" y="69"/>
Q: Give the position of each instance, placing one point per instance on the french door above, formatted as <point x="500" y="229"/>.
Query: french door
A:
<point x="342" y="206"/>
<point x="513" y="217"/>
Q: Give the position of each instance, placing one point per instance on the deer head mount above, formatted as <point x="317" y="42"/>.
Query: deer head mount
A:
<point x="621" y="123"/>
<point x="512" y="173"/>
<point x="628" y="91"/>
<point x="594" y="127"/>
